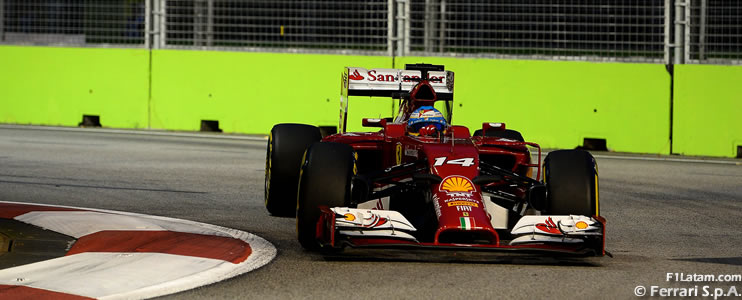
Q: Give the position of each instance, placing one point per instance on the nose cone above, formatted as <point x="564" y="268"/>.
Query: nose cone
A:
<point x="462" y="218"/>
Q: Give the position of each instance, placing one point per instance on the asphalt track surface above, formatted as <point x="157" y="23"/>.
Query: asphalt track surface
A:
<point x="664" y="216"/>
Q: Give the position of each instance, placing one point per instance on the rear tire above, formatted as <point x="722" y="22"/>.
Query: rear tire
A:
<point x="286" y="145"/>
<point x="571" y="178"/>
<point x="505" y="134"/>
<point x="324" y="179"/>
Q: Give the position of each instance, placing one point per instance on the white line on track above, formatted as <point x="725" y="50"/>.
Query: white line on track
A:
<point x="684" y="160"/>
<point x="264" y="138"/>
<point x="140" y="132"/>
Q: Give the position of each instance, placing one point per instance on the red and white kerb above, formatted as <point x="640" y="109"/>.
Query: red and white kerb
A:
<point x="125" y="255"/>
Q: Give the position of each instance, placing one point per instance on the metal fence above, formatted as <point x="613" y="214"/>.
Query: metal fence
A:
<point x="277" y="24"/>
<point x="572" y="29"/>
<point x="72" y="22"/>
<point x="714" y="32"/>
<point x="657" y="31"/>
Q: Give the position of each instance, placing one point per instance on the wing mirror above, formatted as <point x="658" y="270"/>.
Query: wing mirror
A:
<point x="367" y="122"/>
<point x="492" y="127"/>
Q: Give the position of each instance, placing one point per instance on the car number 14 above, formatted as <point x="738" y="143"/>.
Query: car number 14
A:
<point x="464" y="162"/>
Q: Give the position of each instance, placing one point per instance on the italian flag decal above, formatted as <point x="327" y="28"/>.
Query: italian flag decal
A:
<point x="467" y="223"/>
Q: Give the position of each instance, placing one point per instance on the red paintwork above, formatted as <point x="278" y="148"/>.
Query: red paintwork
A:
<point x="169" y="242"/>
<point x="326" y="236"/>
<point x="549" y="227"/>
<point x="456" y="144"/>
<point x="12" y="210"/>
<point x="602" y="223"/>
<point x="21" y="292"/>
<point x="460" y="132"/>
<point x="564" y="248"/>
<point x="424" y="85"/>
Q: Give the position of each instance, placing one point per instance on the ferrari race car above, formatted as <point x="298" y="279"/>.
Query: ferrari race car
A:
<point x="442" y="189"/>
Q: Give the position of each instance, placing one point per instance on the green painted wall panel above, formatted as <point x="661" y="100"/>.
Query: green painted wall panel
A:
<point x="557" y="103"/>
<point x="708" y="110"/>
<point x="249" y="92"/>
<point x="56" y="86"/>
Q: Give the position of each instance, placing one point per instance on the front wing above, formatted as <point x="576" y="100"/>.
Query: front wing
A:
<point x="339" y="227"/>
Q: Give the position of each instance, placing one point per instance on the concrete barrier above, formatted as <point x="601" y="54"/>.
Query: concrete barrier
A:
<point x="57" y="86"/>
<point x="708" y="110"/>
<point x="558" y="104"/>
<point x="249" y="92"/>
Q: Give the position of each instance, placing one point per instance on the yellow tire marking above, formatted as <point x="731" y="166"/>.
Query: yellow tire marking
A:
<point x="597" y="192"/>
<point x="597" y="198"/>
<point x="268" y="171"/>
<point x="399" y="154"/>
<point x="298" y="190"/>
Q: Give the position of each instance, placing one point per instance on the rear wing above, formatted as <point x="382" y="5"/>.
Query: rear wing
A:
<point x="394" y="83"/>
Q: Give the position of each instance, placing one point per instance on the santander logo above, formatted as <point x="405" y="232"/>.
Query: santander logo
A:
<point x="355" y="76"/>
<point x="373" y="75"/>
<point x="390" y="75"/>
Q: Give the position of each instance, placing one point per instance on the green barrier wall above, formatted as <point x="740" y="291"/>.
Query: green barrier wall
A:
<point x="557" y="104"/>
<point x="249" y="92"/>
<point x="56" y="86"/>
<point x="708" y="110"/>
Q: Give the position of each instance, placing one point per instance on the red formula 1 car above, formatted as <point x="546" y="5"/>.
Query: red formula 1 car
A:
<point x="437" y="189"/>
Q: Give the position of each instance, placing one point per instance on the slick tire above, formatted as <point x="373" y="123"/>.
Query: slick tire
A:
<point x="571" y="178"/>
<point x="506" y="134"/>
<point x="324" y="179"/>
<point x="286" y="145"/>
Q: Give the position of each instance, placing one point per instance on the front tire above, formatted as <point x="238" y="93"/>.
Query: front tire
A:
<point x="324" y="179"/>
<point x="571" y="178"/>
<point x="286" y="145"/>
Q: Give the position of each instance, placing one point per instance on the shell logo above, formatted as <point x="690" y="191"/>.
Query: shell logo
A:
<point x="581" y="225"/>
<point x="350" y="217"/>
<point x="454" y="184"/>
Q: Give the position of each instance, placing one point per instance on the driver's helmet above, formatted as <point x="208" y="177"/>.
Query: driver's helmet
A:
<point x="426" y="117"/>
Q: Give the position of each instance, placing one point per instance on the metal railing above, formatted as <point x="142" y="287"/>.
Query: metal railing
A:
<point x="654" y="31"/>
